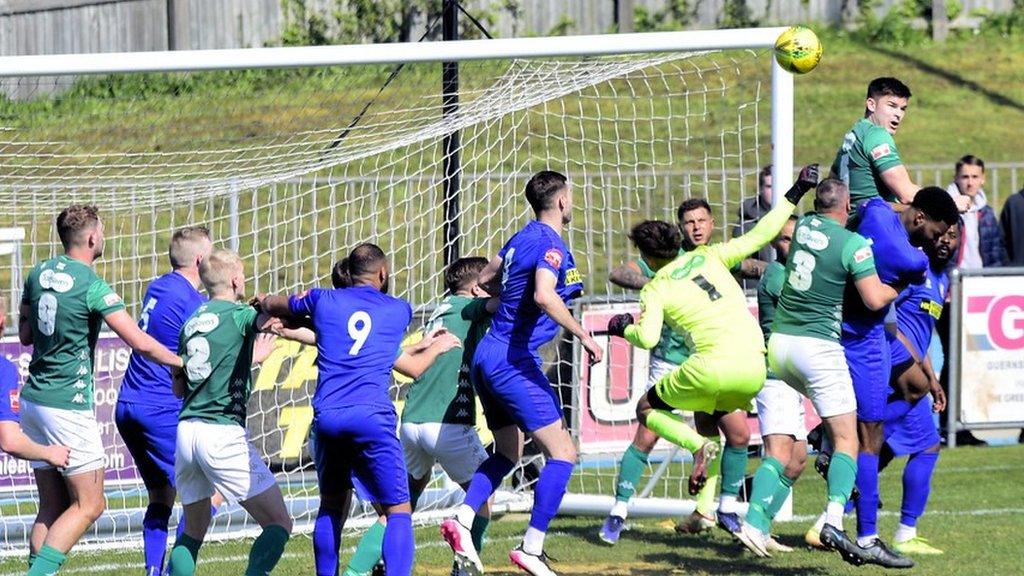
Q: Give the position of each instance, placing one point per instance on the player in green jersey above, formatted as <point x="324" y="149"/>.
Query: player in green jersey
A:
<point x="697" y="296"/>
<point x="213" y="453"/>
<point x="63" y="307"/>
<point x="804" y="351"/>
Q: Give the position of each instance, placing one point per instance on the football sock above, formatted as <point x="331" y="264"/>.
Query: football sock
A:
<point x="917" y="481"/>
<point x="266" y="550"/>
<point x="484" y="483"/>
<point x="766" y="484"/>
<point x="184" y="555"/>
<point x="734" y="470"/>
<point x="399" y="544"/>
<point x="327" y="540"/>
<point x="479" y="531"/>
<point x="867" y="501"/>
<point x="904" y="533"/>
<point x="706" y="496"/>
<point x="154" y="537"/>
<point x="48" y="562"/>
<point x="781" y="494"/>
<point x="842" y="474"/>
<point x="547" y="496"/>
<point x="671" y="427"/>
<point x="631" y="467"/>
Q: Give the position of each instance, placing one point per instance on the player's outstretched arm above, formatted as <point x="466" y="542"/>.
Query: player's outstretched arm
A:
<point x="24" y="327"/>
<point x="276" y="306"/>
<point x="547" y="299"/>
<point x="874" y="293"/>
<point x="646" y="333"/>
<point x="123" y="325"/>
<point x="415" y="359"/>
<point x="897" y="179"/>
<point x="628" y="275"/>
<point x="14" y="442"/>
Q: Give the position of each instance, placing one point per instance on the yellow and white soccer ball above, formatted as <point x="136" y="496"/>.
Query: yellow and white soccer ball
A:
<point x="798" y="50"/>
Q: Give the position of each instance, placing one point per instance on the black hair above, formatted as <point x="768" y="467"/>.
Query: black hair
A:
<point x="970" y="160"/>
<point x="691" y="204"/>
<point x="657" y="238"/>
<point x="365" y="259"/>
<point x="831" y="193"/>
<point x="887" y="86"/>
<point x="542" y="189"/>
<point x="764" y="173"/>
<point x="462" y="271"/>
<point x="340" y="276"/>
<point x="936" y="204"/>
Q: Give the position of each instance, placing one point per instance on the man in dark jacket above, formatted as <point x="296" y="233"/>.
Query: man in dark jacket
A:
<point x="1012" y="222"/>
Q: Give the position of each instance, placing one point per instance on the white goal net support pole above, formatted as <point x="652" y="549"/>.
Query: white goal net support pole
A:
<point x="293" y="155"/>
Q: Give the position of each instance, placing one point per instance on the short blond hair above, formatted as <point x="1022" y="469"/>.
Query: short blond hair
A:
<point x="217" y="269"/>
<point x="187" y="244"/>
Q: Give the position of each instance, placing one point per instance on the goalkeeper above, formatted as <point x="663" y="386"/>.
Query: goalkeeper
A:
<point x="698" y="297"/>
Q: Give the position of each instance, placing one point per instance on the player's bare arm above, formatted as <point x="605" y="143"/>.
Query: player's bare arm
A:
<point x="548" y="300"/>
<point x="874" y="293"/>
<point x="752" y="268"/>
<point x="24" y="325"/>
<point x="897" y="179"/>
<point x="490" y="277"/>
<point x="628" y="275"/>
<point x="14" y="442"/>
<point x="415" y="359"/>
<point x="123" y="325"/>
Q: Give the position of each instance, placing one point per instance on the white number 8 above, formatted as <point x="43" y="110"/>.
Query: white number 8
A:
<point x="803" y="268"/>
<point x="359" y="330"/>
<point x="46" y="313"/>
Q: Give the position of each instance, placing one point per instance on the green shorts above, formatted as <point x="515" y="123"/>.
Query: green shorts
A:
<point x="720" y="383"/>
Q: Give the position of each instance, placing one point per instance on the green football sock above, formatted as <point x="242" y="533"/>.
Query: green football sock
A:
<point x="369" y="551"/>
<point x="47" y="562"/>
<point x="631" y="467"/>
<point x="267" y="550"/>
<point x="734" y="469"/>
<point x="479" y="530"/>
<point x="184" y="555"/>
<point x="785" y="487"/>
<point x="842" y="475"/>
<point x="766" y="484"/>
<point x="671" y="427"/>
<point x="706" y="496"/>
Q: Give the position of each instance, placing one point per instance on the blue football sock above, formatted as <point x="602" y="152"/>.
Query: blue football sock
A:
<point x="487" y="479"/>
<point x="326" y="541"/>
<point x="154" y="537"/>
<point x="867" y="501"/>
<point x="399" y="545"/>
<point x="548" y="493"/>
<point x="917" y="483"/>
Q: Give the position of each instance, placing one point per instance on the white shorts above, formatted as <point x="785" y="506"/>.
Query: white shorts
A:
<point x="816" y="368"/>
<point x="658" y="369"/>
<point x="76" y="429"/>
<point x="780" y="410"/>
<point x="456" y="447"/>
<point x="218" y="457"/>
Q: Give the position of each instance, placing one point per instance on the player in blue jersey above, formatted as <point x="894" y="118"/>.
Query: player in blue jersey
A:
<point x="358" y="332"/>
<point x="12" y="440"/>
<point x="147" y="410"/>
<point x="897" y="238"/>
<point x="535" y="278"/>
<point x="909" y="429"/>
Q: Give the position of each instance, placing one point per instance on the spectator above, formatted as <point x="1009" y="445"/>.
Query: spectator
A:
<point x="1012" y="221"/>
<point x="982" y="244"/>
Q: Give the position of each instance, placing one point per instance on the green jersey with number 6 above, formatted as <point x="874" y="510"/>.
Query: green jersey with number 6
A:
<point x="216" y="347"/>
<point x="823" y="257"/>
<point x="867" y="151"/>
<point x="67" y="302"/>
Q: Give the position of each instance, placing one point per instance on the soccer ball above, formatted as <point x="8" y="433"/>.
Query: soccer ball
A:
<point x="798" y="50"/>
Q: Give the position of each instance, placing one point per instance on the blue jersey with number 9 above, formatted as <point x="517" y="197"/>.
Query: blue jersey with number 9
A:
<point x="358" y="330"/>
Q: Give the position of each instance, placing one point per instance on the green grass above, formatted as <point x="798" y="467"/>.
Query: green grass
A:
<point x="974" y="514"/>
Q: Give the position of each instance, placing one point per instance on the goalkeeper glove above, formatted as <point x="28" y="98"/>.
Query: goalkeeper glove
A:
<point x="806" y="181"/>
<point x="617" y="325"/>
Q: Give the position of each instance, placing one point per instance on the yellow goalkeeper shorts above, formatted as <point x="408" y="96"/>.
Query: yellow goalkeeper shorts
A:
<point x="719" y="383"/>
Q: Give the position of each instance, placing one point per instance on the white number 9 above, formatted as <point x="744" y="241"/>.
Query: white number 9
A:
<point x="359" y="330"/>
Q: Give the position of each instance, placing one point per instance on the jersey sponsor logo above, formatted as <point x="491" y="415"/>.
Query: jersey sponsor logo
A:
<point x="204" y="323"/>
<point x="56" y="281"/>
<point x="688" y="266"/>
<point x="862" y="254"/>
<point x="813" y="239"/>
<point x="15" y="399"/>
<point x="881" y="151"/>
<point x="934" y="309"/>
<point x="111" y="299"/>
<point x="553" y="257"/>
<point x="573" y="276"/>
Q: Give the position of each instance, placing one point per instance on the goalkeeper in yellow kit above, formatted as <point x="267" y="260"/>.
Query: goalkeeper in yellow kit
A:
<point x="699" y="298"/>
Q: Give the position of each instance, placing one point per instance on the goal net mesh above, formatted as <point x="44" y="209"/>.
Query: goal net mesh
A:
<point x="294" y="167"/>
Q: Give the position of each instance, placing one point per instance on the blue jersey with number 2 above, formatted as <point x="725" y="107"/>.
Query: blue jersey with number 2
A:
<point x="358" y="330"/>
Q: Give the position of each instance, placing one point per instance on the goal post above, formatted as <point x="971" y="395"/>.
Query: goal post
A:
<point x="293" y="155"/>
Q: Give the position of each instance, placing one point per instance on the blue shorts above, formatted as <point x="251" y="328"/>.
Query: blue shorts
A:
<point x="870" y="364"/>
<point x="512" y="387"/>
<point x="914" y="432"/>
<point x="150" y="434"/>
<point x="359" y="446"/>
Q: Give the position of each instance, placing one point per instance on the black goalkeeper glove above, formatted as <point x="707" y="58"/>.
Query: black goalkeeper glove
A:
<point x="617" y="325"/>
<point x="805" y="182"/>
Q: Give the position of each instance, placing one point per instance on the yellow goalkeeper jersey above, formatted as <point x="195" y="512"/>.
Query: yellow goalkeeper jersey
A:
<point x="699" y="298"/>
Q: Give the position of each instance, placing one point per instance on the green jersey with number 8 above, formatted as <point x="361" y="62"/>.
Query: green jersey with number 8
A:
<point x="216" y="347"/>
<point x="67" y="302"/>
<point x="823" y="257"/>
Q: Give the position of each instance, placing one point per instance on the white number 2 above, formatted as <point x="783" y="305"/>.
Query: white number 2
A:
<point x="198" y="366"/>
<point x="46" y="313"/>
<point x="359" y="330"/>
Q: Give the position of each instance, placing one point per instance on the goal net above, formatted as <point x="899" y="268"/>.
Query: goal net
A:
<point x="294" y="166"/>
